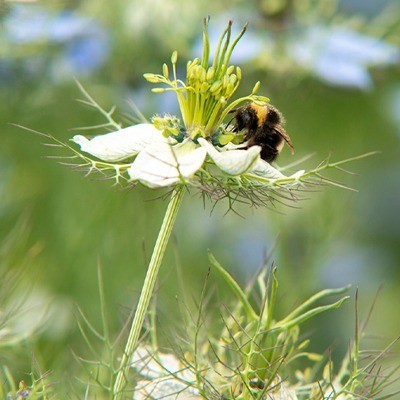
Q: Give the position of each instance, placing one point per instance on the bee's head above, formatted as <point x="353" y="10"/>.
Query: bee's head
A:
<point x="246" y="114"/>
<point x="245" y="118"/>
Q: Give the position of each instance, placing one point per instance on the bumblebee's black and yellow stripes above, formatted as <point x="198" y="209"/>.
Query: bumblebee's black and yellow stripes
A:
<point x="264" y="128"/>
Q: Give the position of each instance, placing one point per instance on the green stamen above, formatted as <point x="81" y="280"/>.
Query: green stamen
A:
<point x="203" y="98"/>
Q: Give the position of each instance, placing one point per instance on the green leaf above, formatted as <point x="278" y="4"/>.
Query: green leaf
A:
<point x="250" y="313"/>
<point x="313" y="299"/>
<point x="290" y="323"/>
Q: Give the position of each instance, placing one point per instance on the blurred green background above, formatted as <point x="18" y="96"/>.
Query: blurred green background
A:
<point x="332" y="68"/>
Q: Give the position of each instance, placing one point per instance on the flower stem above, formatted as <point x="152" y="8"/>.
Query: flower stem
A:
<point x="147" y="291"/>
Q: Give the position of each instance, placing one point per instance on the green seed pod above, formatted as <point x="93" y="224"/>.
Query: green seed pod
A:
<point x="174" y="57"/>
<point x="255" y="88"/>
<point x="261" y="99"/>
<point x="152" y="78"/>
<point x="165" y="71"/>
<point x="158" y="90"/>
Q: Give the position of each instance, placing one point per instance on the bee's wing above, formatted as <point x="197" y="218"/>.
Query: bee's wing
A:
<point x="281" y="132"/>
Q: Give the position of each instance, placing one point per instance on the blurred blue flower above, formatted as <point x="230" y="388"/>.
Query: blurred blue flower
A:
<point x="24" y="24"/>
<point x="67" y="43"/>
<point x="341" y="56"/>
<point x="356" y="265"/>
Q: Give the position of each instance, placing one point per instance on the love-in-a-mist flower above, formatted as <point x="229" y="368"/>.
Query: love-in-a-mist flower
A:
<point x="198" y="149"/>
<point x="160" y="161"/>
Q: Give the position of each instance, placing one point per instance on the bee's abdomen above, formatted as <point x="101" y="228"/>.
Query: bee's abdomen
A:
<point x="270" y="142"/>
<point x="268" y="154"/>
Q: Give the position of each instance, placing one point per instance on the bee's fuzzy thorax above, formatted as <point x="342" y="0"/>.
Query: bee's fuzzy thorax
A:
<point x="263" y="124"/>
<point x="261" y="112"/>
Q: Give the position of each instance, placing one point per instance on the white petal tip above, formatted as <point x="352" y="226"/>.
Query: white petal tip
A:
<point x="121" y="144"/>
<point x="232" y="162"/>
<point x="79" y="139"/>
<point x="298" y="174"/>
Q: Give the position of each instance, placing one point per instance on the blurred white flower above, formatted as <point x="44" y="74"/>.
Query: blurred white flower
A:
<point x="163" y="376"/>
<point x="340" y="55"/>
<point x="284" y="393"/>
<point x="161" y="162"/>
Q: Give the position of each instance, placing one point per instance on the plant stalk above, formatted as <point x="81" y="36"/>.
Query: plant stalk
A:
<point x="147" y="291"/>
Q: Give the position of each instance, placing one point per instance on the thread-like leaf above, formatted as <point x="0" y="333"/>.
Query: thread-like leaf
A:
<point x="248" y="309"/>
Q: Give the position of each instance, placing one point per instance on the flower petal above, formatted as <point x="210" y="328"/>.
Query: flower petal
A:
<point x="161" y="164"/>
<point x="162" y="376"/>
<point x="230" y="146"/>
<point x="297" y="175"/>
<point x="121" y="144"/>
<point x="233" y="162"/>
<point x="167" y="388"/>
<point x="265" y="170"/>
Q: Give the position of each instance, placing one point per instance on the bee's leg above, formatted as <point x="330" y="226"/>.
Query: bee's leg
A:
<point x="235" y="128"/>
<point x="248" y="136"/>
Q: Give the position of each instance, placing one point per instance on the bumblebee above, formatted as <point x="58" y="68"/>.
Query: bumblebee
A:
<point x="264" y="128"/>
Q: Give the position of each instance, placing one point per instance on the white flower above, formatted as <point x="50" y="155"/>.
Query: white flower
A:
<point x="284" y="393"/>
<point x="161" y="162"/>
<point x="233" y="162"/>
<point x="263" y="168"/>
<point x="163" y="376"/>
<point x="121" y="144"/>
